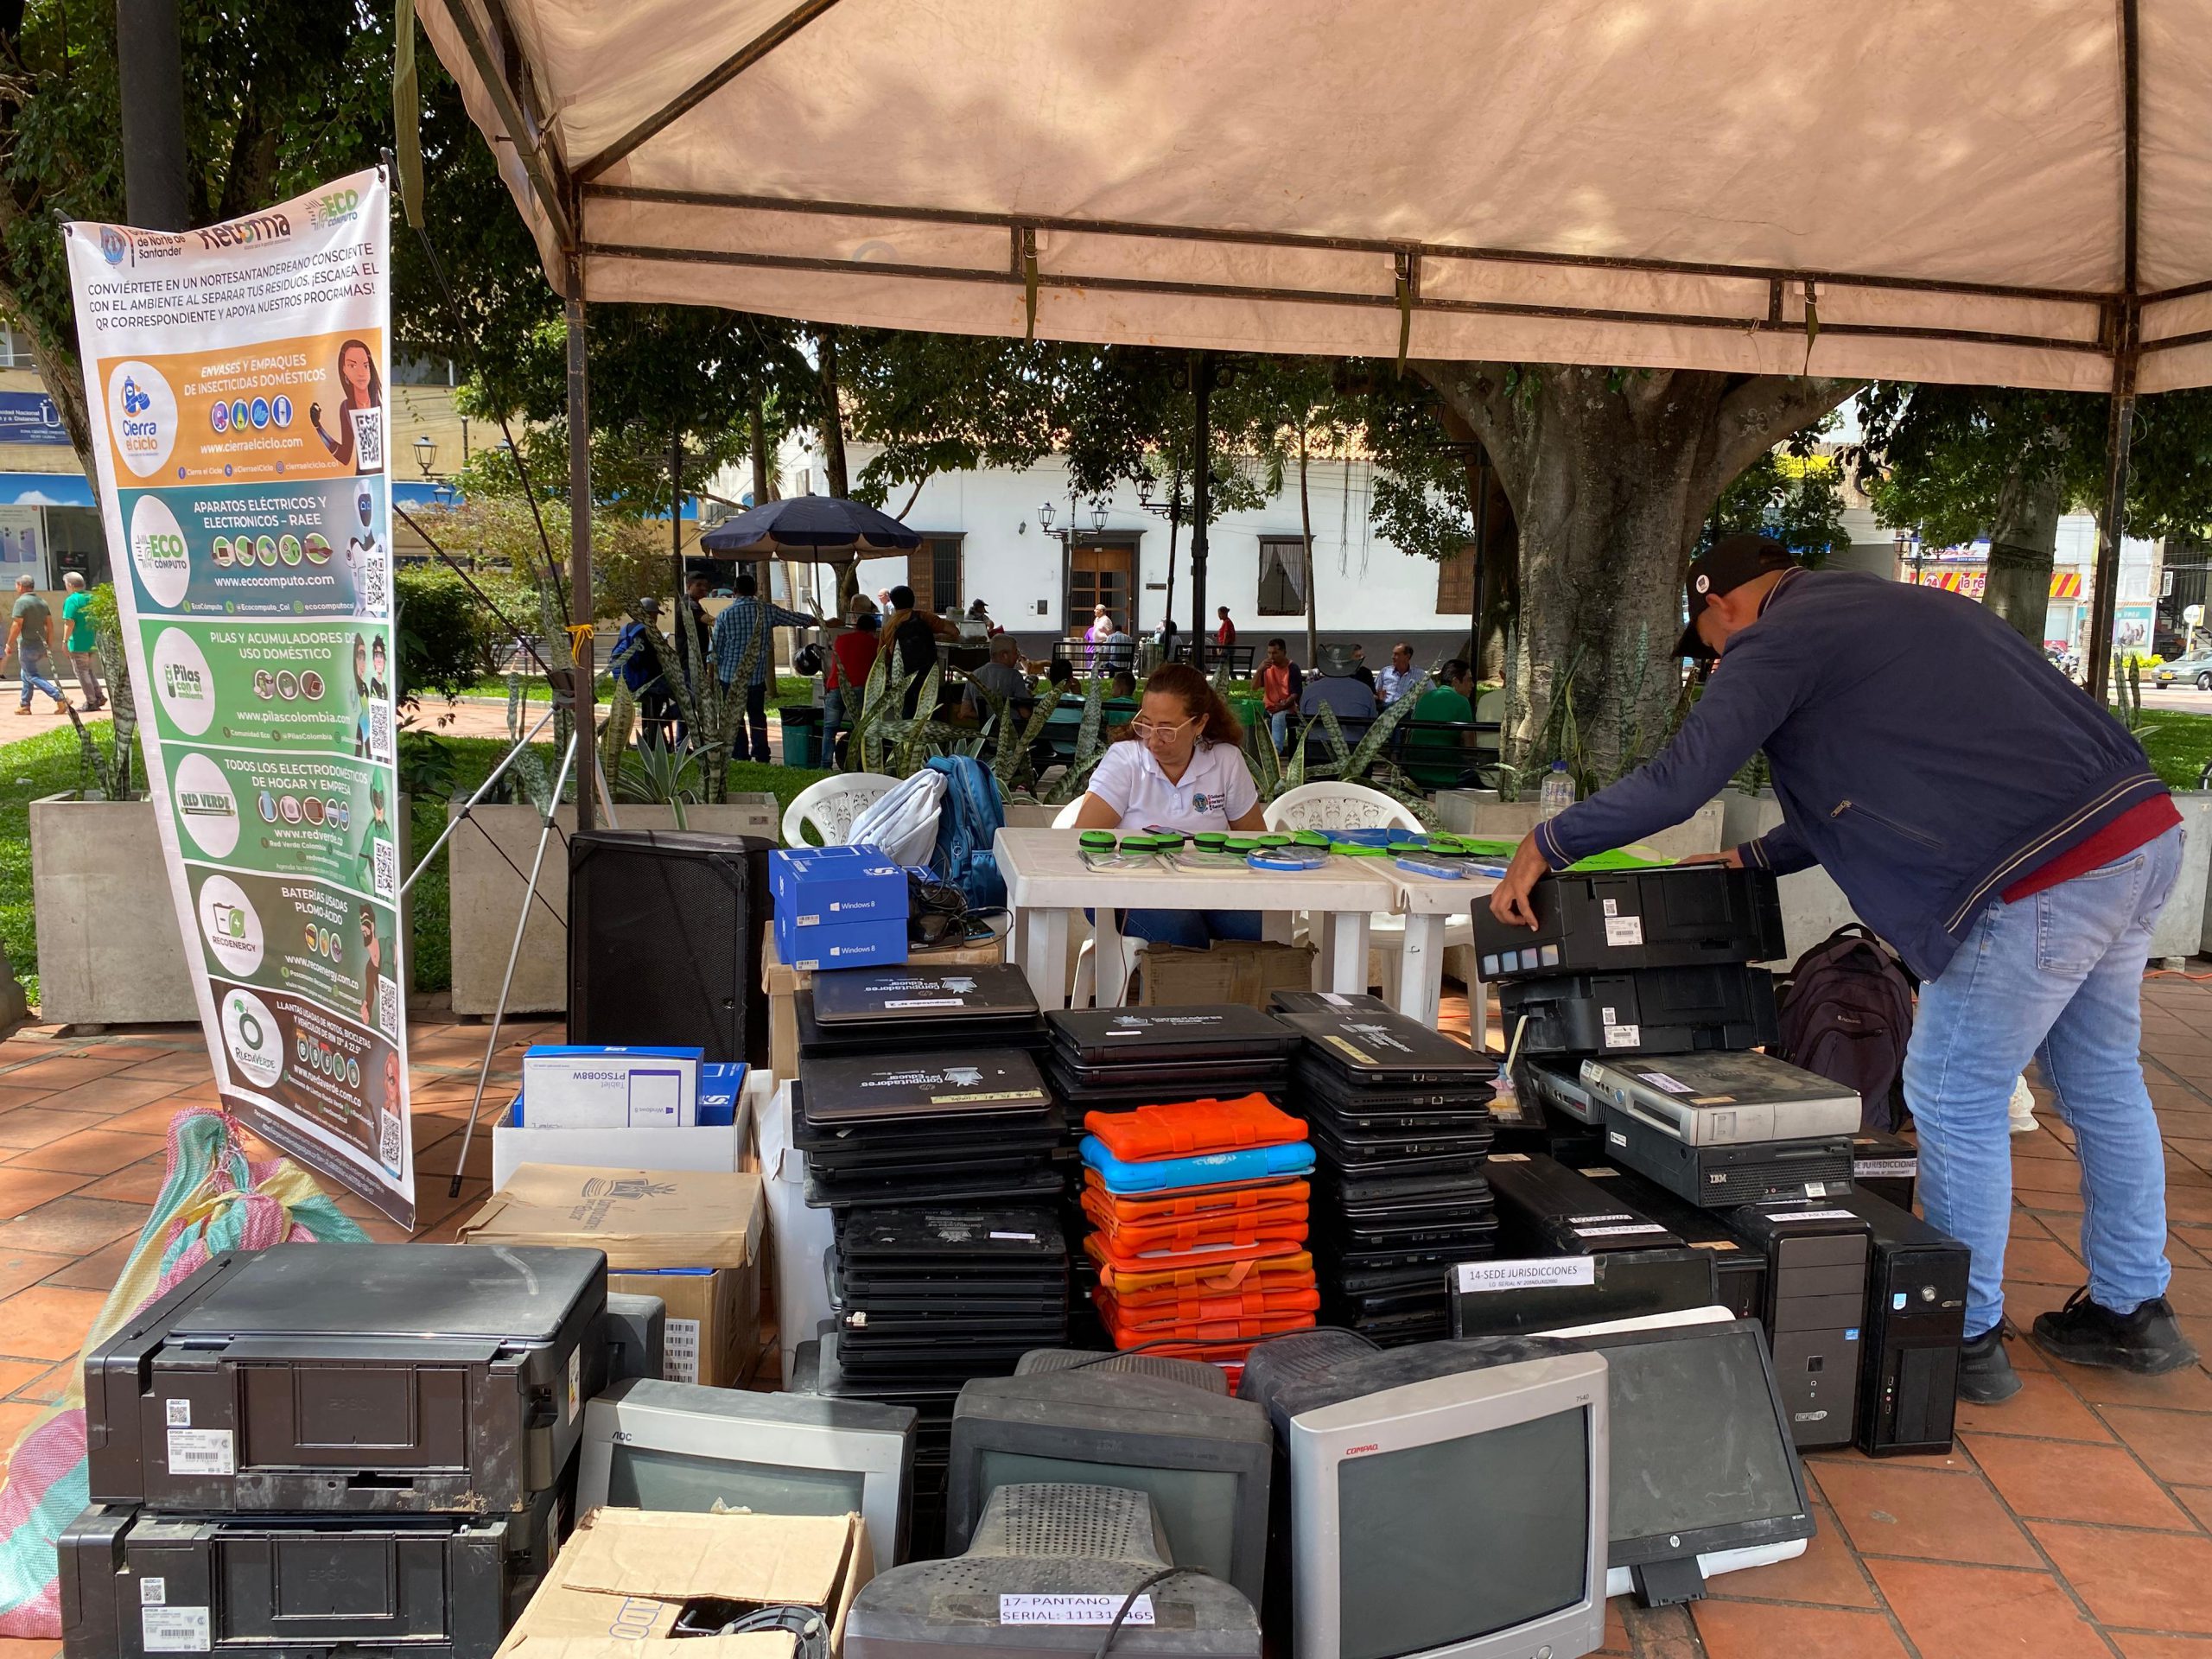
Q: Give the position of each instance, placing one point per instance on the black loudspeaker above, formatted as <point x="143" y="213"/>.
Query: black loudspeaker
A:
<point x="664" y="940"/>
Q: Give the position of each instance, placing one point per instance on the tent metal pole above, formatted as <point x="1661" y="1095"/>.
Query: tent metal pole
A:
<point x="580" y="588"/>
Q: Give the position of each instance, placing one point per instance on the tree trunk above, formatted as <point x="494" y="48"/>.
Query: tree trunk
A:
<point x="2023" y="544"/>
<point x="1306" y="530"/>
<point x="1610" y="474"/>
<point x="833" y="412"/>
<point x="763" y="489"/>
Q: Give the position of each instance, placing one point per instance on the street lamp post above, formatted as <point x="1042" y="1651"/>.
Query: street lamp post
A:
<point x="426" y="455"/>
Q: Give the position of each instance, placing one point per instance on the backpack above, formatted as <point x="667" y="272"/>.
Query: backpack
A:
<point x="1846" y="1015"/>
<point x="967" y="826"/>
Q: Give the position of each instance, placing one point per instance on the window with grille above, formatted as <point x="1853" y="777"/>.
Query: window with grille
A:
<point x="933" y="572"/>
<point x="1455" y="583"/>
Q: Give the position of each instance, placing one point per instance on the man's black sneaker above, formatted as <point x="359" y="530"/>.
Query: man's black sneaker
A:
<point x="1985" y="1375"/>
<point x="2147" y="1342"/>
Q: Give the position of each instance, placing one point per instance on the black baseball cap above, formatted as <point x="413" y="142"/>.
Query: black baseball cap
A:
<point x="1727" y="565"/>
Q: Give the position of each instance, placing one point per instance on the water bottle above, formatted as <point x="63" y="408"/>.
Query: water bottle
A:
<point x="1557" y="793"/>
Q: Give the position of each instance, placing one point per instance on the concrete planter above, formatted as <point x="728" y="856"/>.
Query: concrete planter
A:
<point x="488" y="895"/>
<point x="1479" y="812"/>
<point x="109" y="950"/>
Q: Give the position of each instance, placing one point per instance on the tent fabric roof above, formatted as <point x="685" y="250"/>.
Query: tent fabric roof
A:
<point x="1623" y="182"/>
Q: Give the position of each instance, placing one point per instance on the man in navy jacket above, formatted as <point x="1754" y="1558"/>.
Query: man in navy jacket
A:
<point x="2006" y="835"/>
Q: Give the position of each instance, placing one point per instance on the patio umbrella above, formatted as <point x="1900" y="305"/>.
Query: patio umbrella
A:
<point x="811" y="529"/>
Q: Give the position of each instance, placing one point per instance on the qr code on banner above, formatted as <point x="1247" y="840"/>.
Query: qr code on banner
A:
<point x="387" y="867"/>
<point x="375" y="596"/>
<point x="388" y="1007"/>
<point x="380" y="731"/>
<point x="368" y="439"/>
<point x="388" y="1139"/>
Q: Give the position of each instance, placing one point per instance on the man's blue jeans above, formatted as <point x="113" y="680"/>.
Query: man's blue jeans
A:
<point x="2058" y="978"/>
<point x="37" y="671"/>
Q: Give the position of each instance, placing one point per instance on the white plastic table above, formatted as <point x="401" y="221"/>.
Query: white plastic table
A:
<point x="1428" y="902"/>
<point x="1047" y="881"/>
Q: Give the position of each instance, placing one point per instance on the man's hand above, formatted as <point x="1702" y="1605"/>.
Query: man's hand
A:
<point x="1731" y="858"/>
<point x="1510" y="901"/>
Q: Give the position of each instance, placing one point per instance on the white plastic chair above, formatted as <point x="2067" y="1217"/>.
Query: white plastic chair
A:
<point x="830" y="806"/>
<point x="1084" y="991"/>
<point x="1337" y="805"/>
<point x="1488" y="705"/>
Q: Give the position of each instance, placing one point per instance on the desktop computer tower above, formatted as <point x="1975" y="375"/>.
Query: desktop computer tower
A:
<point x="1916" y="1320"/>
<point x="1815" y="1311"/>
<point x="1739" y="1265"/>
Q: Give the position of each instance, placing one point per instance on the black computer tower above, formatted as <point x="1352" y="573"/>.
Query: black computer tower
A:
<point x="664" y="940"/>
<point x="1916" y="1320"/>
<point x="1887" y="1165"/>
<point x="1602" y="921"/>
<point x="1815" y="1309"/>
<point x="1739" y="1265"/>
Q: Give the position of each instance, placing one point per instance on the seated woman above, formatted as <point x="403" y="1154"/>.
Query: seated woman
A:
<point x="1179" y="765"/>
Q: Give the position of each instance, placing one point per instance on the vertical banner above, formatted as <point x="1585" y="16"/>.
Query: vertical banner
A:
<point x="236" y="378"/>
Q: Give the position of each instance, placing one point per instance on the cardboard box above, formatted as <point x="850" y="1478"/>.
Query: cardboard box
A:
<point x="588" y="1086"/>
<point x="843" y="945"/>
<point x="713" y="1333"/>
<point x="706" y="1146"/>
<point x="834" y="887"/>
<point x="797" y="1235"/>
<point x="1233" y="970"/>
<point x="783" y="983"/>
<point x="721" y="1083"/>
<point x="617" y="1584"/>
<point x="640" y="1217"/>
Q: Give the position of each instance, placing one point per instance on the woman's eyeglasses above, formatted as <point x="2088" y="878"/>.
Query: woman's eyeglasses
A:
<point x="1148" y="729"/>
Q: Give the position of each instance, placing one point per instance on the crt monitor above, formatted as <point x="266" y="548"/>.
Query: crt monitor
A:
<point x="1203" y="1459"/>
<point x="1706" y="1477"/>
<point x="1048" y="1568"/>
<point x="653" y="1444"/>
<point x="1444" y="1499"/>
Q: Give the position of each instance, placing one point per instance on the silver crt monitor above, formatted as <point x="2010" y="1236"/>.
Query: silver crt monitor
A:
<point x="651" y="1445"/>
<point x="1455" y="1515"/>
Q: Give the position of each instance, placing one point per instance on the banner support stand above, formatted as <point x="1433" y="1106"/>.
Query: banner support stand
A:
<point x="514" y="955"/>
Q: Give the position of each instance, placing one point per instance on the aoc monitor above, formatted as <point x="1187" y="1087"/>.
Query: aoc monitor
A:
<point x="1048" y="1570"/>
<point x="652" y="1445"/>
<point x="1444" y="1499"/>
<point x="1203" y="1459"/>
<point x="1706" y="1477"/>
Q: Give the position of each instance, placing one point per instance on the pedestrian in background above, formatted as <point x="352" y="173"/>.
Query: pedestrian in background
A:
<point x="750" y="617"/>
<point x="852" y="659"/>
<point x="30" y="636"/>
<point x="1281" y="684"/>
<point x="1226" y="633"/>
<point x="1398" y="678"/>
<point x="82" y="642"/>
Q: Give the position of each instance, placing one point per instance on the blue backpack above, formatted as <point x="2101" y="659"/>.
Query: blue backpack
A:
<point x="968" y="824"/>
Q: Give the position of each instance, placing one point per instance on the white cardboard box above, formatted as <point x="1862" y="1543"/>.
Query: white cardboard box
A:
<point x="797" y="1235"/>
<point x="583" y="1086"/>
<point x="716" y="1146"/>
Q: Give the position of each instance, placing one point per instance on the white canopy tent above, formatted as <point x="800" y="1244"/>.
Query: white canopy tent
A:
<point x="2010" y="192"/>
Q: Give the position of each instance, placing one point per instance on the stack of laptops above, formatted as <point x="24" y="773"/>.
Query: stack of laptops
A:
<point x="928" y="1127"/>
<point x="1199" y="1217"/>
<point x="1399" y="1117"/>
<point x="1117" y="1059"/>
<point x="894" y="1010"/>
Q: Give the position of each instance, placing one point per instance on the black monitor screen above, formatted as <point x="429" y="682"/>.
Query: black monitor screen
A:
<point x="1448" y="1542"/>
<point x="1695" y="1439"/>
<point x="1196" y="1506"/>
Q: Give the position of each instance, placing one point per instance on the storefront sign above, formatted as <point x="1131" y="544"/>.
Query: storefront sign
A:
<point x="236" y="377"/>
<point x="30" y="418"/>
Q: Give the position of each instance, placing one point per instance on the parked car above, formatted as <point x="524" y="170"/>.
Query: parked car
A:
<point x="2195" y="670"/>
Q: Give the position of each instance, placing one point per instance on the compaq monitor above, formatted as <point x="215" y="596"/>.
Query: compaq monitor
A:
<point x="1203" y="1459"/>
<point x="1444" y="1499"/>
<point x="651" y="1445"/>
<point x="1049" y="1569"/>
<point x="1705" y="1478"/>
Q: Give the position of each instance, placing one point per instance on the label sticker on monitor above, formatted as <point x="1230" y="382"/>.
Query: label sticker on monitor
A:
<point x="679" y="1351"/>
<point x="1072" y="1610"/>
<point x="1624" y="929"/>
<point x="1535" y="1273"/>
<point x="201" y="1452"/>
<point x="1886" y="1169"/>
<point x="175" y="1630"/>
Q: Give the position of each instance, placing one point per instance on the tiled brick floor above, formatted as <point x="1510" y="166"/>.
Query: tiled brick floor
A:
<point x="2075" y="1519"/>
